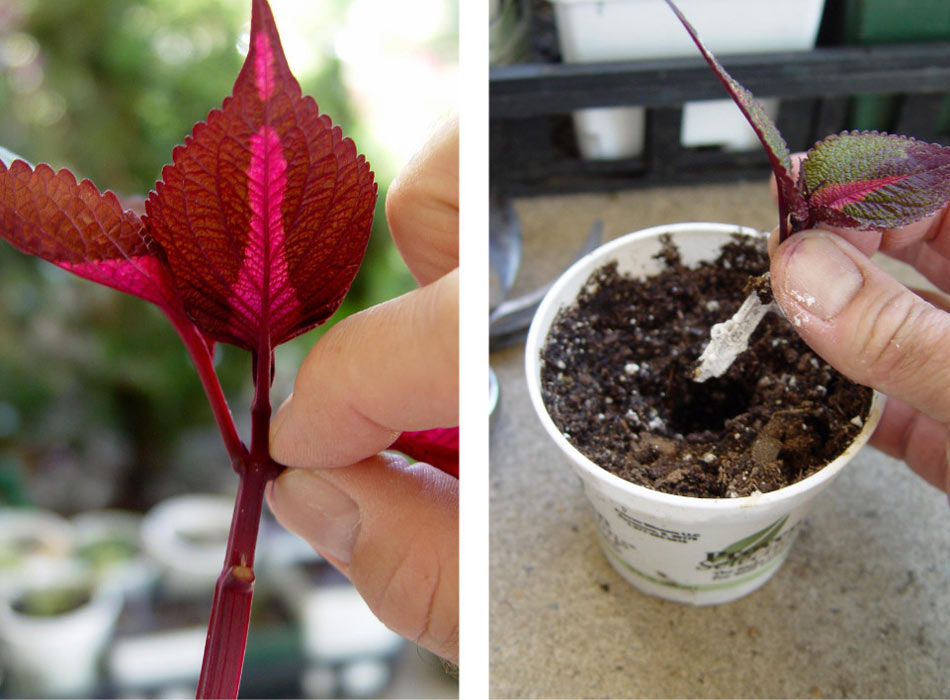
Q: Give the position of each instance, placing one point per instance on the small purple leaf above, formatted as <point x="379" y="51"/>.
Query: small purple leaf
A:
<point x="874" y="181"/>
<point x="436" y="446"/>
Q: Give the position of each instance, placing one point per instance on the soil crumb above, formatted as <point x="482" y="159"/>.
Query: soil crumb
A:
<point x="616" y="371"/>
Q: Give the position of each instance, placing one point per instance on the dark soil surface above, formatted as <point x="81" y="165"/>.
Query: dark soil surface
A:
<point x="616" y="381"/>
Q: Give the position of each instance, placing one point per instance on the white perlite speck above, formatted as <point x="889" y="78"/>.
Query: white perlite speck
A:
<point x="656" y="423"/>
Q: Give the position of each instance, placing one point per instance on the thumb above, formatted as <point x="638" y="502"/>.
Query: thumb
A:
<point x="384" y="370"/>
<point x="862" y="321"/>
<point x="392" y="529"/>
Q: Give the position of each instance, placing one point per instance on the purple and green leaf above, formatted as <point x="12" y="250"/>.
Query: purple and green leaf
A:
<point x="864" y="180"/>
<point x="874" y="181"/>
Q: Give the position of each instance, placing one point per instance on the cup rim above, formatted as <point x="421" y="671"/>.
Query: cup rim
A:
<point x="537" y="334"/>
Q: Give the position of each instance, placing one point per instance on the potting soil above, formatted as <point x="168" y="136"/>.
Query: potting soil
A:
<point x="616" y="380"/>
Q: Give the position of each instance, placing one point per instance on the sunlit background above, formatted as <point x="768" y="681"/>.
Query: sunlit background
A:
<point x="99" y="407"/>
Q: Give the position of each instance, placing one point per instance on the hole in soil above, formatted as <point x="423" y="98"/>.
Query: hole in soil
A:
<point x="707" y="406"/>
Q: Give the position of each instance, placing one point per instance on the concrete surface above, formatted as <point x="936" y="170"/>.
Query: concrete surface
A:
<point x="860" y="609"/>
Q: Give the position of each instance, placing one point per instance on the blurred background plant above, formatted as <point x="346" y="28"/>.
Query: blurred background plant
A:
<point x="99" y="406"/>
<point x="98" y="403"/>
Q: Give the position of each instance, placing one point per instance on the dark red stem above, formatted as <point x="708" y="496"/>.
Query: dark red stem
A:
<point x="783" y="232"/>
<point x="231" y="606"/>
<point x="201" y="357"/>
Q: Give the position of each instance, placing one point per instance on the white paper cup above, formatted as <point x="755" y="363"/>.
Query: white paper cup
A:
<point x="692" y="550"/>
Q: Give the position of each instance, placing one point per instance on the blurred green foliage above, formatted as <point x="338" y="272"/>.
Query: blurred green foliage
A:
<point x="99" y="405"/>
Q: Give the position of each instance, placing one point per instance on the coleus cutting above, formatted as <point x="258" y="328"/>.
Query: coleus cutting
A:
<point x="252" y="237"/>
<point x="861" y="180"/>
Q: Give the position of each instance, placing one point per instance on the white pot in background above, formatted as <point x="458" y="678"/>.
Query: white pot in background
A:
<point x="692" y="550"/>
<point x="614" y="30"/>
<point x="55" y="655"/>
<point x="111" y="542"/>
<point x="187" y="536"/>
<point x="26" y="533"/>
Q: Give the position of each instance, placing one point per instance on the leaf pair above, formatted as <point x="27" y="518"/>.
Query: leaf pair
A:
<point x="255" y="232"/>
<point x="252" y="237"/>
<point x="864" y="180"/>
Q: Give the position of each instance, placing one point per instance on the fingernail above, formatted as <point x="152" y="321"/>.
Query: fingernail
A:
<point x="821" y="277"/>
<point x="310" y="506"/>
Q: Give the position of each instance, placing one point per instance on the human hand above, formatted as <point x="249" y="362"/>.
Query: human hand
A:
<point x="390" y="527"/>
<point x="876" y="331"/>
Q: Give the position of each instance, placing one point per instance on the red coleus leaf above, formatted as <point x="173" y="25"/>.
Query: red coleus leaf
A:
<point x="265" y="212"/>
<point x="438" y="447"/>
<point x="874" y="181"/>
<point x="74" y="226"/>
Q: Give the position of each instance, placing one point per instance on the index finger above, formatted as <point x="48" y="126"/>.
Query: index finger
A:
<point x="375" y="374"/>
<point x="422" y="206"/>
